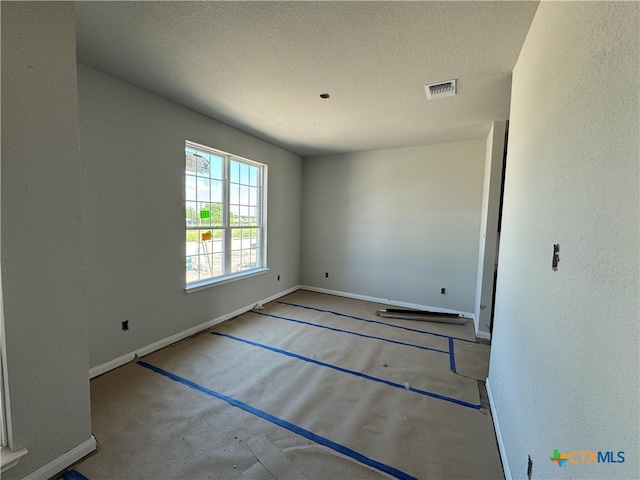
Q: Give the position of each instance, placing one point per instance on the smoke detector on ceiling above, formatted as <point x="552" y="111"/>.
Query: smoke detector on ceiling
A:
<point x="441" y="90"/>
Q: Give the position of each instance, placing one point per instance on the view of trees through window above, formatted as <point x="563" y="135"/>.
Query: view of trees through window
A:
<point x="223" y="210"/>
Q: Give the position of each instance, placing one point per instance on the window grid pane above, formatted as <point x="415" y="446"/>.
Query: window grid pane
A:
<point x="245" y="249"/>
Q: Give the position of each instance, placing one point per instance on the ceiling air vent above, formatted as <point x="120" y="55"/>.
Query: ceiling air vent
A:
<point x="440" y="90"/>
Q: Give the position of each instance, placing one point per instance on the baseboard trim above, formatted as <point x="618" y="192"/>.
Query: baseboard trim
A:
<point x="496" y="426"/>
<point x="385" y="301"/>
<point x="62" y="462"/>
<point x="9" y="458"/>
<point x="124" y="359"/>
<point x="110" y="365"/>
<point x="483" y="335"/>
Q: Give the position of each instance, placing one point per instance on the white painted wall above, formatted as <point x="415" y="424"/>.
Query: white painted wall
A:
<point x="564" y="362"/>
<point x="42" y="266"/>
<point x="395" y="224"/>
<point x="487" y="255"/>
<point x="132" y="145"/>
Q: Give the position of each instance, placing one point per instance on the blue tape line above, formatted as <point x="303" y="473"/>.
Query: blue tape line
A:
<point x="452" y="356"/>
<point x="351" y="372"/>
<point x="349" y="332"/>
<point x="376" y="321"/>
<point x="73" y="475"/>
<point x="283" y="423"/>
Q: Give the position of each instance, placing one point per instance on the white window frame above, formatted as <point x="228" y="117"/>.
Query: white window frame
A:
<point x="261" y="260"/>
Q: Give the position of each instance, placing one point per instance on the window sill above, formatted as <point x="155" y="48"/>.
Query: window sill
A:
<point x="194" y="287"/>
<point x="9" y="459"/>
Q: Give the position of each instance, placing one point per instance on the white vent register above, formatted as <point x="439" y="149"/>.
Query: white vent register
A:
<point x="441" y="90"/>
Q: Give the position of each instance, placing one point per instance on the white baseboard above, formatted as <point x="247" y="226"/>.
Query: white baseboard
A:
<point x="62" y="462"/>
<point x="386" y="301"/>
<point x="496" y="426"/>
<point x="483" y="335"/>
<point x="9" y="458"/>
<point x="124" y="359"/>
<point x="110" y="365"/>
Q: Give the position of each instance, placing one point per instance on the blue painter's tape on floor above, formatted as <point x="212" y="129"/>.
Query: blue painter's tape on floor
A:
<point x="452" y="356"/>
<point x="351" y="372"/>
<point x="283" y="423"/>
<point x="349" y="332"/>
<point x="73" y="475"/>
<point x="376" y="321"/>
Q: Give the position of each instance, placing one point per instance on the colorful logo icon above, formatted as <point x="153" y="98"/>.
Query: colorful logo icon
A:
<point x="587" y="456"/>
<point x="559" y="458"/>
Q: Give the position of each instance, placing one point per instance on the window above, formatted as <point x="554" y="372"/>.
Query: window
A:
<point x="225" y="216"/>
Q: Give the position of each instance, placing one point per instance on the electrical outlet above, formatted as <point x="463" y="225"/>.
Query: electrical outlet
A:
<point x="278" y="277"/>
<point x="443" y="291"/>
<point x="326" y="275"/>
<point x="125" y="325"/>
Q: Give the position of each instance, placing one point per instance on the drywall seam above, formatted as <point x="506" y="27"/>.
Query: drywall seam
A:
<point x="385" y="301"/>
<point x="117" y="362"/>
<point x="53" y="468"/>
<point x="496" y="426"/>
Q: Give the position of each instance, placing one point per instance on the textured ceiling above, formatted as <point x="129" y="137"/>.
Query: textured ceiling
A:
<point x="261" y="66"/>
